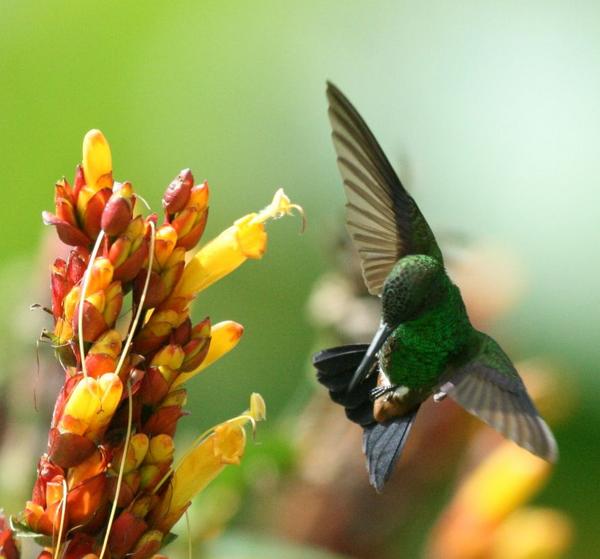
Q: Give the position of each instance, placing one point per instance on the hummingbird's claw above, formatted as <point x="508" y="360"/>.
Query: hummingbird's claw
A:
<point x="380" y="391"/>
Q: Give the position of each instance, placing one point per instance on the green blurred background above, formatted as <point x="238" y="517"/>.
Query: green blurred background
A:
<point x="491" y="111"/>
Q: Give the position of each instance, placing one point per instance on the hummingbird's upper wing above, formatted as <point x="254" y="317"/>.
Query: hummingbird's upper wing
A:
<point x="489" y="387"/>
<point x="382" y="218"/>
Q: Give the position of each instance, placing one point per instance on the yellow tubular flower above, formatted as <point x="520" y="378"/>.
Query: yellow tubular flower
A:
<point x="223" y="446"/>
<point x="224" y="337"/>
<point x="246" y="238"/>
<point x="97" y="160"/>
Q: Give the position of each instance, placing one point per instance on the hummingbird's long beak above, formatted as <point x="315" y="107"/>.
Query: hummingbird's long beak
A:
<point x="365" y="365"/>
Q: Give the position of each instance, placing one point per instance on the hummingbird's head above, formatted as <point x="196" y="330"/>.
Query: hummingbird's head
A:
<point x="414" y="285"/>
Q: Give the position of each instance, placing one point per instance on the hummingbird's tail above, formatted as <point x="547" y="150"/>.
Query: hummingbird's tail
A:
<point x="382" y="442"/>
<point x="335" y="368"/>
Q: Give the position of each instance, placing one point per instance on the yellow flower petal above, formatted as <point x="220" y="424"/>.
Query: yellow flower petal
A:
<point x="83" y="404"/>
<point x="91" y="405"/>
<point x="230" y="442"/>
<point x="224" y="337"/>
<point x="136" y="453"/>
<point x="97" y="160"/>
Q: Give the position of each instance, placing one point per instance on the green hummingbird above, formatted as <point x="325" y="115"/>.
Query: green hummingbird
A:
<point x="425" y="345"/>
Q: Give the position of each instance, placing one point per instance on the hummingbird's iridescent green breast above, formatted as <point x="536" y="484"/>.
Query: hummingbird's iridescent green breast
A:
<point x="419" y="350"/>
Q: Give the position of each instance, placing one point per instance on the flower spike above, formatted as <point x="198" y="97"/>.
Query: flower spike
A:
<point x="106" y="487"/>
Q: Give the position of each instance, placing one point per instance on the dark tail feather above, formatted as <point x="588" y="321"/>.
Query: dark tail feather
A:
<point x="383" y="444"/>
<point x="335" y="368"/>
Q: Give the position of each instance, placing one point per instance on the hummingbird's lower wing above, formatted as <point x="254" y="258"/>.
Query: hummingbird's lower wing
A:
<point x="489" y="387"/>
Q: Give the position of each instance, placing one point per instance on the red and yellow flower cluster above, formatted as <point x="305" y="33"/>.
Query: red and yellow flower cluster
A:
<point x="107" y="485"/>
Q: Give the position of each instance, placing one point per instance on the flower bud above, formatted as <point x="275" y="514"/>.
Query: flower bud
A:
<point x="177" y="194"/>
<point x="97" y="160"/>
<point x="191" y="221"/>
<point x="126" y="531"/>
<point x="118" y="210"/>
<point x="136" y="453"/>
<point x="86" y="500"/>
<point x="157" y="461"/>
<point x="147" y="545"/>
<point x="91" y="405"/>
<point x="164" y="421"/>
<point x="165" y="243"/>
<point x="90" y="207"/>
<point x="102" y="356"/>
<point x="81" y="546"/>
<point x="65" y="220"/>
<point x="197" y="348"/>
<point x="156" y="331"/>
<point x="129" y="252"/>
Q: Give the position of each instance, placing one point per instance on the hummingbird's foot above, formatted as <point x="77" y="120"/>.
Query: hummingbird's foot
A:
<point x="380" y="391"/>
<point x="443" y="392"/>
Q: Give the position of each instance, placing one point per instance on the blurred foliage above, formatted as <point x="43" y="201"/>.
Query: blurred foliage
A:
<point x="491" y="112"/>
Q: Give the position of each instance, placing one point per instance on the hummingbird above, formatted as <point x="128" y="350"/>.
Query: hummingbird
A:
<point x="425" y="345"/>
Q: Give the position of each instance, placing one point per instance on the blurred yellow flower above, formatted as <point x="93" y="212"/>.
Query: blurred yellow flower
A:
<point x="501" y="483"/>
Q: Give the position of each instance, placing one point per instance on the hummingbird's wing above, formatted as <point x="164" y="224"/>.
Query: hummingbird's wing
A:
<point x="382" y="218"/>
<point x="489" y="387"/>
